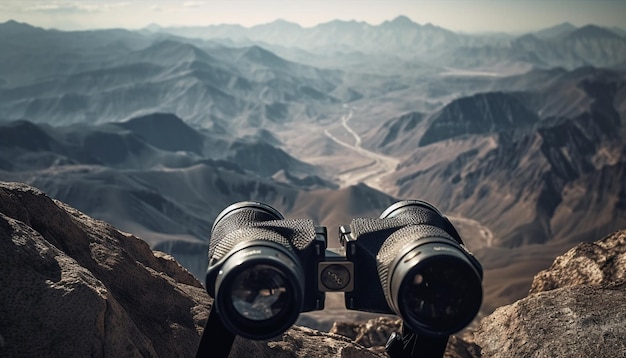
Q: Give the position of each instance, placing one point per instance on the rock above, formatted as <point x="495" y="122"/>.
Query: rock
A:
<point x="598" y="263"/>
<point x="303" y="342"/>
<point x="375" y="332"/>
<point x="576" y="308"/>
<point x="74" y="286"/>
<point x="579" y="321"/>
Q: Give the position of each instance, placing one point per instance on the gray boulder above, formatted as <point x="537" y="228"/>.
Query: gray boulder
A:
<point x="374" y="333"/>
<point x="600" y="263"/>
<point x="577" y="308"/>
<point x="73" y="286"/>
<point x="303" y="342"/>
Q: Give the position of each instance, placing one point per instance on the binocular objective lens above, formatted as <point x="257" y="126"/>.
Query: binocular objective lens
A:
<point x="260" y="293"/>
<point x="442" y="295"/>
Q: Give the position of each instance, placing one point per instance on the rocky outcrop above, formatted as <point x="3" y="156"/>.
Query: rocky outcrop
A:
<point x="600" y="263"/>
<point x="576" y="308"/>
<point x="303" y="342"/>
<point x="375" y="332"/>
<point x="74" y="286"/>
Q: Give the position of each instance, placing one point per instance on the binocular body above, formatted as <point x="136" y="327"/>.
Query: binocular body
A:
<point x="264" y="270"/>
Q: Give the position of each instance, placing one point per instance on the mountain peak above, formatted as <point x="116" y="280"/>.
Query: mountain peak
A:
<point x="262" y="56"/>
<point x="593" y="31"/>
<point x="281" y="24"/>
<point x="175" y="51"/>
<point x="13" y="26"/>
<point x="15" y="23"/>
<point x="165" y="131"/>
<point x="481" y="113"/>
<point x="556" y="31"/>
<point x="400" y="22"/>
<point x="284" y="22"/>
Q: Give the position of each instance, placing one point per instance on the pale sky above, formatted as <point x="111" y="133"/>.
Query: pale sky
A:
<point x="514" y="16"/>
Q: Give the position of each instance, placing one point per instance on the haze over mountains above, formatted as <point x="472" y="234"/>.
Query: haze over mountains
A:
<point x="520" y="139"/>
<point x="400" y="39"/>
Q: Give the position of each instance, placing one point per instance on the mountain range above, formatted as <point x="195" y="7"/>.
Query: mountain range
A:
<point x="401" y="39"/>
<point x="519" y="139"/>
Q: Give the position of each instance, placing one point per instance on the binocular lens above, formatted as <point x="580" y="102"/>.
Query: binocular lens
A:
<point x="443" y="295"/>
<point x="438" y="294"/>
<point x="260" y="293"/>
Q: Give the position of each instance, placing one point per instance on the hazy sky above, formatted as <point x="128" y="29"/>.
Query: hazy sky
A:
<point x="457" y="15"/>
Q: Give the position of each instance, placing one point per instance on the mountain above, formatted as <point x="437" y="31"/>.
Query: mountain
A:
<point x="397" y="135"/>
<point x="561" y="46"/>
<point x="618" y="30"/>
<point x="154" y="175"/>
<point x="174" y="209"/>
<point x="333" y="36"/>
<point x="31" y="54"/>
<point x="495" y="148"/>
<point x="555" y="31"/>
<point x="68" y="79"/>
<point x="586" y="46"/>
<point x="166" y="131"/>
<point x="590" y="32"/>
<point x="403" y="41"/>
<point x="478" y="114"/>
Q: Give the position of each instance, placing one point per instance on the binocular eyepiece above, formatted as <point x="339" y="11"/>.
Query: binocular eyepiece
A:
<point x="264" y="270"/>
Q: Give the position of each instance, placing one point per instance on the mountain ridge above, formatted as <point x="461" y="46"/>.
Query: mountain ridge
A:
<point x="428" y="42"/>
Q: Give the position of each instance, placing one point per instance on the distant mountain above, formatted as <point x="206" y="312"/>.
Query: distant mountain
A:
<point x="173" y="209"/>
<point x="555" y="31"/>
<point x="400" y="36"/>
<point x="478" y="114"/>
<point x="147" y="142"/>
<point x="396" y="135"/>
<point x="618" y="30"/>
<point x="34" y="54"/>
<point x="75" y="77"/>
<point x="591" y="32"/>
<point x="166" y="131"/>
<point x="155" y="175"/>
<point x="587" y="46"/>
<point x="562" y="45"/>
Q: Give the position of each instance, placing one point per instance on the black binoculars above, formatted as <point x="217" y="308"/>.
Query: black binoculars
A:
<point x="264" y="270"/>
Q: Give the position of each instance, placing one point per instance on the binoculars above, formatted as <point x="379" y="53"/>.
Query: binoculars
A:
<point x="264" y="270"/>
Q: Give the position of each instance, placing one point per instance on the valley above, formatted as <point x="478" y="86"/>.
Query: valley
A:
<point x="371" y="173"/>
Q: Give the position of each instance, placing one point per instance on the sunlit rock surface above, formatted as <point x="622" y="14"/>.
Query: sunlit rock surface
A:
<point x="577" y="308"/>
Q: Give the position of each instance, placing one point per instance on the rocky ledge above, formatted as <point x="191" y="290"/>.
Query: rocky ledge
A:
<point x="576" y="308"/>
<point x="75" y="286"/>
